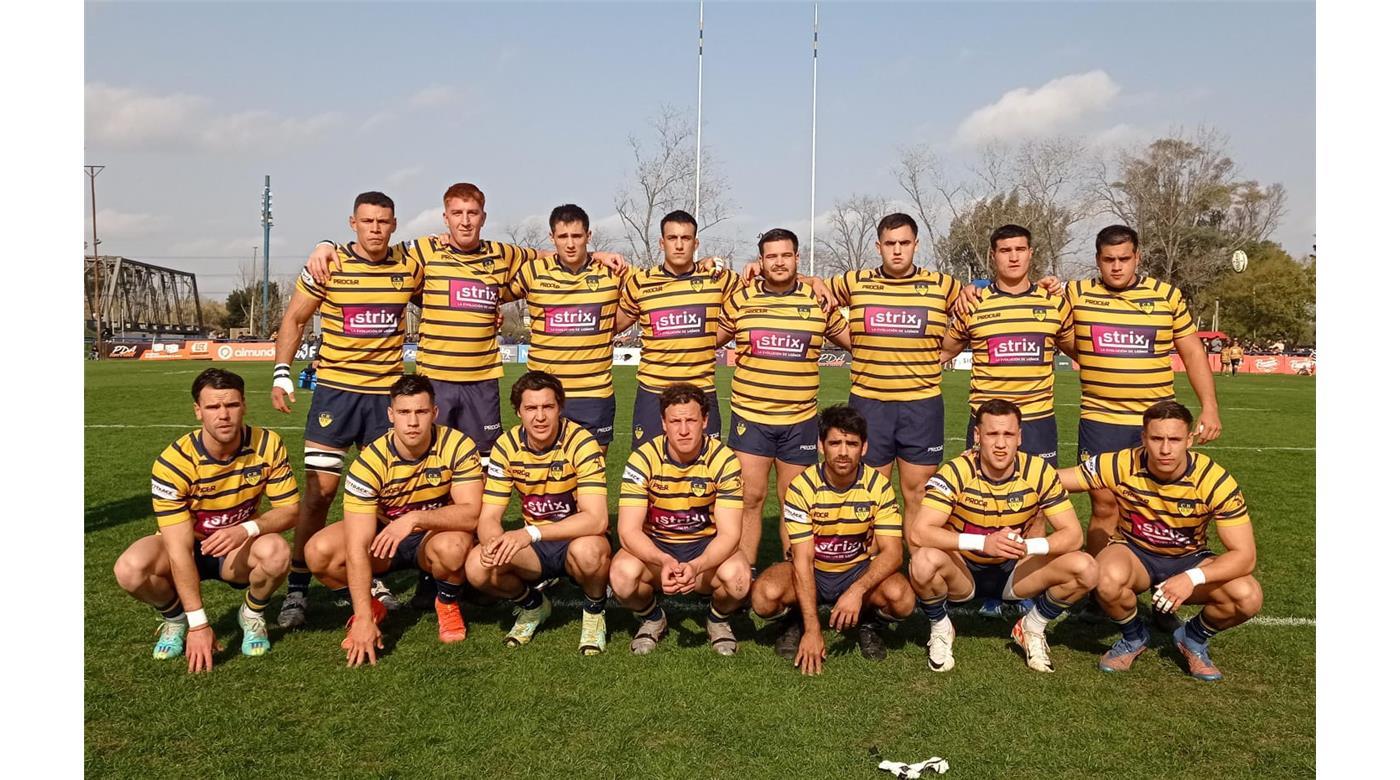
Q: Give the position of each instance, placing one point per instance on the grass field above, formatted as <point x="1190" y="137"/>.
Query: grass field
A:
<point x="478" y="709"/>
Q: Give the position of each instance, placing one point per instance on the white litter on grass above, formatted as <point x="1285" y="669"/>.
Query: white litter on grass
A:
<point x="935" y="765"/>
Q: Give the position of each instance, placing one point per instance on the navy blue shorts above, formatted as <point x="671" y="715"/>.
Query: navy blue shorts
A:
<point x="474" y="408"/>
<point x="406" y="556"/>
<point x="646" y="416"/>
<point x="795" y="443"/>
<point x="990" y="580"/>
<point x="1096" y="438"/>
<point x="1161" y="568"/>
<point x="594" y="414"/>
<point x="1038" y="437"/>
<point x="552" y="555"/>
<point x="830" y="585"/>
<point x="909" y="430"/>
<point x="339" y="418"/>
<point x="211" y="568"/>
<point x="684" y="552"/>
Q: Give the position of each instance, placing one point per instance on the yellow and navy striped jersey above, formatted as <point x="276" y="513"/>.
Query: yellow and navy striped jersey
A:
<point x="1167" y="518"/>
<point x="188" y="485"/>
<point x="571" y="322"/>
<point x="681" y="498"/>
<point x="977" y="504"/>
<point x="1012" y="337"/>
<point x="462" y="293"/>
<point x="842" y="524"/>
<point x="384" y="483"/>
<point x="679" y="316"/>
<point x="1124" y="340"/>
<point x="778" y="338"/>
<point x="362" y="318"/>
<point x="897" y="328"/>
<point x="550" y="481"/>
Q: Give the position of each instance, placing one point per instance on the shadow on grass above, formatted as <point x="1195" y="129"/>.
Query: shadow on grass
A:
<point x="117" y="513"/>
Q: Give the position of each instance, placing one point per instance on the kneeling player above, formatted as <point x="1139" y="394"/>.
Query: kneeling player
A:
<point x="205" y="489"/>
<point x="968" y="539"/>
<point x="1166" y="496"/>
<point x="678" y="519"/>
<point x="559" y="471"/>
<point x="844" y="526"/>
<point x="419" y="485"/>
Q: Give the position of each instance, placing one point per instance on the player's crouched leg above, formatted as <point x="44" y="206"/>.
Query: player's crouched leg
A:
<point x="1227" y="605"/>
<point x="445" y="556"/>
<point x="731" y="583"/>
<point x="1057" y="584"/>
<point x="929" y="571"/>
<point x="891" y="601"/>
<point x="269" y="560"/>
<point x="587" y="561"/>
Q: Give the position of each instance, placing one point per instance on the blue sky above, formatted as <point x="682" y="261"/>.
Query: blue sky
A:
<point x="190" y="104"/>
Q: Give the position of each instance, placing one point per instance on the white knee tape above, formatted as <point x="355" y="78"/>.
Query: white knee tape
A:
<point x="328" y="461"/>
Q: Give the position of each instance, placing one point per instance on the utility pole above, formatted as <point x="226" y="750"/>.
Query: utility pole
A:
<point x="267" y="238"/>
<point x="92" y="171"/>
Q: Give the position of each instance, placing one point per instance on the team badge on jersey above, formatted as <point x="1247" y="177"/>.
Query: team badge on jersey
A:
<point x="637" y="432"/>
<point x="397" y="281"/>
<point x="325" y="419"/>
<point x="1146" y="306"/>
<point x="592" y="281"/>
<point x="697" y="284"/>
<point x="489" y="262"/>
<point x="1185" y="507"/>
<point x="862" y="510"/>
<point x="432" y="476"/>
<point x="556" y="470"/>
<point x="1039" y="313"/>
<point x="253" y="475"/>
<point x="1015" y="501"/>
<point x="804" y="311"/>
<point x="921" y="287"/>
<point x="698" y="486"/>
<point x="741" y="427"/>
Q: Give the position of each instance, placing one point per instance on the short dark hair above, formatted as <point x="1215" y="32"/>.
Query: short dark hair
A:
<point x="217" y="378"/>
<point x="411" y="384"/>
<point x="1167" y="410"/>
<point x="373" y="198"/>
<point x="1009" y="231"/>
<point x="777" y="234"/>
<point x="998" y="407"/>
<point x="895" y="221"/>
<point x="683" y="217"/>
<point x="1113" y="235"/>
<point x="683" y="393"/>
<point x="565" y="214"/>
<point x="843" y="418"/>
<point x="535" y="380"/>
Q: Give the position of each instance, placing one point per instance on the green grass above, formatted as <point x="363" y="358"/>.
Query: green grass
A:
<point x="477" y="709"/>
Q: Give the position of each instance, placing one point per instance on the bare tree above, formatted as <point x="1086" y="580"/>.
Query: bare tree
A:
<point x="663" y="180"/>
<point x="531" y="232"/>
<point x="920" y="175"/>
<point x="848" y="242"/>
<point x="1053" y="179"/>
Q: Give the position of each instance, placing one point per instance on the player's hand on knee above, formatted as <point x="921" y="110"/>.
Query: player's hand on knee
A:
<point x="200" y="648"/>
<point x="811" y="651"/>
<point x="845" y="613"/>
<point x="508" y="544"/>
<point x="1005" y="543"/>
<point x="364" y="639"/>
<point x="387" y="541"/>
<point x="1172" y="593"/>
<point x="224" y="541"/>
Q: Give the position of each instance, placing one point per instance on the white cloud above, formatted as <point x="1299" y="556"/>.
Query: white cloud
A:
<point x="403" y="175"/>
<point x="130" y="118"/>
<point x="427" y="221"/>
<point x="1026" y="112"/>
<point x="434" y="96"/>
<point x="119" y="224"/>
<point x="234" y="250"/>
<point x="1119" y="135"/>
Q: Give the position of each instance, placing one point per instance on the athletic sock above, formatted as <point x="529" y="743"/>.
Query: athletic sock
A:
<point x="779" y="615"/>
<point x="299" y="581"/>
<point x="716" y="616"/>
<point x="172" y="611"/>
<point x="448" y="592"/>
<point x="530" y="599"/>
<point x="1199" y="630"/>
<point x="595" y="606"/>
<point x="886" y="618"/>
<point x="1134" y="630"/>
<point x="1046" y="609"/>
<point x="650" y="612"/>
<point x="253" y="604"/>
<point x="935" y="609"/>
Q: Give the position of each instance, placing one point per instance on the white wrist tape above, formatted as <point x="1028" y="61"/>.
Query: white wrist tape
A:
<point x="1196" y="576"/>
<point x="197" y="618"/>
<point x="251" y="527"/>
<point x="533" y="532"/>
<point x="972" y="542"/>
<point x="1037" y="546"/>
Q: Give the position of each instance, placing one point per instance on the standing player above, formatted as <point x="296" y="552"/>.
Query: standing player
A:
<point x="412" y="498"/>
<point x="561" y="476"/>
<point x="778" y="329"/>
<point x="1235" y="355"/>
<point x="679" y="307"/>
<point x="205" y="490"/>
<point x="847" y="550"/>
<point x="968" y="539"/>
<point x="1166" y="496"/>
<point x="362" y="326"/>
<point x="573" y="306"/>
<point x="678" y="521"/>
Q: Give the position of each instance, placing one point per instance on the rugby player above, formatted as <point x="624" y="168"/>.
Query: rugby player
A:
<point x="412" y="498"/>
<point x="362" y="308"/>
<point x="205" y="489"/>
<point x="1234" y="354"/>
<point x="1166" y="496"/>
<point x="678" y="517"/>
<point x="847" y="550"/>
<point x="559" y="471"/>
<point x="572" y="300"/>
<point x="678" y="306"/>
<point x="969" y="539"/>
<point x="778" y="328"/>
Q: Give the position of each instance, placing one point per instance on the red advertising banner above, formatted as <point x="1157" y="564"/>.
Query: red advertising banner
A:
<point x="1260" y="364"/>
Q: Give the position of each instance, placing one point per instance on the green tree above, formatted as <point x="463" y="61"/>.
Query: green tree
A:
<point x="1274" y="299"/>
<point x="962" y="251"/>
<point x="243" y="306"/>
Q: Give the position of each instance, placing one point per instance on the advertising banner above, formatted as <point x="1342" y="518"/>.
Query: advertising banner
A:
<point x="410" y="353"/>
<point x="833" y="359"/>
<point x="125" y="351"/>
<point x="246" y="351"/>
<point x="1261" y="364"/>
<point x="627" y="356"/>
<point x="507" y="353"/>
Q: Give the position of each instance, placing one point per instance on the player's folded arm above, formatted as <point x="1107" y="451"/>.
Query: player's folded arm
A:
<point x="179" y="541"/>
<point x="591" y="519"/>
<point x="1237" y="537"/>
<point x="728" y="527"/>
<point x="1069" y="535"/>
<point x="925" y="527"/>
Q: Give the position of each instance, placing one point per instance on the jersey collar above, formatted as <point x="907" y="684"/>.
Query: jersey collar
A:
<point x="1144" y="470"/>
<point x="432" y="444"/>
<point x="699" y="456"/>
<point x="244" y="441"/>
<point x="858" y="480"/>
<point x="1137" y="282"/>
<point x="525" y="438"/>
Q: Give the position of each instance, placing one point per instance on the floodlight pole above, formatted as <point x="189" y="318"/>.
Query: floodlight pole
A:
<point x="812" y="205"/>
<point x="92" y="171"/>
<point x="267" y="239"/>
<point x="699" y="105"/>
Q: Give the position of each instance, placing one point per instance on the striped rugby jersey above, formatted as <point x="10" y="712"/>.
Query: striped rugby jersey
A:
<point x="841" y="524"/>
<point x="1012" y="337"/>
<point x="384" y="483"/>
<point x="571" y="322"/>
<point x="681" y="498"/>
<point x="977" y="504"/>
<point x="190" y="486"/>
<point x="679" y="316"/>
<point x="549" y="481"/>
